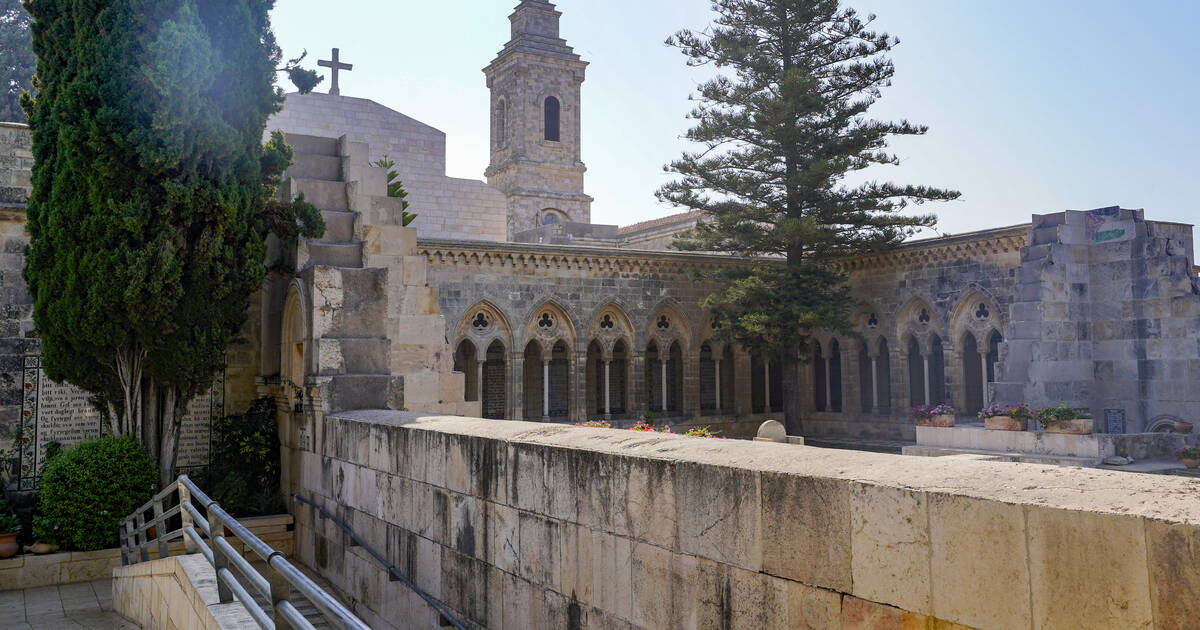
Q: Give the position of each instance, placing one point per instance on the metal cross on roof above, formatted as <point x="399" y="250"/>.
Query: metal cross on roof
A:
<point x="335" y="65"/>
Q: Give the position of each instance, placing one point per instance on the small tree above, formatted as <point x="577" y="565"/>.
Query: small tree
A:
<point x="395" y="188"/>
<point x="151" y="197"/>
<point x="781" y="126"/>
<point x="16" y="59"/>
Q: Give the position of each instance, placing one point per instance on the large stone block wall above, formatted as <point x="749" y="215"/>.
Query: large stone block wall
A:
<point x="518" y="525"/>
<point x="448" y="207"/>
<point x="16" y="307"/>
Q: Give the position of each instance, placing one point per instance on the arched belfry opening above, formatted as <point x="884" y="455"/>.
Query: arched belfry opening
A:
<point x="553" y="112"/>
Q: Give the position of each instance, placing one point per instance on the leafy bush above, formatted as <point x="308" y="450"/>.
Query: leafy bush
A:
<point x="703" y="432"/>
<point x="1189" y="453"/>
<point x="1060" y="413"/>
<point x="9" y="522"/>
<point x="598" y="424"/>
<point x="92" y="486"/>
<point x="244" y="474"/>
<point x="1016" y="412"/>
<point x="45" y="530"/>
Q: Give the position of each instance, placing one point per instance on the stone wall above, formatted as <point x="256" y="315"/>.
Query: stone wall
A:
<point x="449" y="207"/>
<point x="176" y="592"/>
<point x="519" y="525"/>
<point x="16" y="307"/>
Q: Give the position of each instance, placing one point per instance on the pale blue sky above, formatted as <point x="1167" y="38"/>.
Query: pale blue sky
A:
<point x="1033" y="106"/>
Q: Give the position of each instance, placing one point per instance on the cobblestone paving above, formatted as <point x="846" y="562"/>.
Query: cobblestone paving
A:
<point x="65" y="607"/>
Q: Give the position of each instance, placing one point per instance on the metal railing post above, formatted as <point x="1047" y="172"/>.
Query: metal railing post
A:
<point x="216" y="532"/>
<point x="280" y="591"/>
<point x="139" y="538"/>
<point x="160" y="530"/>
<point x="185" y="517"/>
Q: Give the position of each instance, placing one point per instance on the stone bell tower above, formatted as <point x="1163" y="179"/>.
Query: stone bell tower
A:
<point x="535" y="84"/>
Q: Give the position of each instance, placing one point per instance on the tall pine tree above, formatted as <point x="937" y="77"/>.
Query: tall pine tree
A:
<point x="780" y="127"/>
<point x="16" y="59"/>
<point x="151" y="197"/>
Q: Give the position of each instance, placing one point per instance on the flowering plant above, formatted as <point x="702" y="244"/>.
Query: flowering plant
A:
<point x="643" y="425"/>
<point x="599" y="424"/>
<point x="1016" y="412"/>
<point x="925" y="412"/>
<point x="703" y="432"/>
<point x="1060" y="413"/>
<point x="45" y="530"/>
<point x="1189" y="453"/>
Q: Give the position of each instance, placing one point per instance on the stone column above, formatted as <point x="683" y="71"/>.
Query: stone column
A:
<point x="663" y="365"/>
<point x="479" y="381"/>
<point x="718" y="382"/>
<point x="545" y="389"/>
<point x="516" y="386"/>
<point x="828" y="385"/>
<point x="607" y="392"/>
<point x="983" y="377"/>
<point x="925" y="359"/>
<point x="874" y="385"/>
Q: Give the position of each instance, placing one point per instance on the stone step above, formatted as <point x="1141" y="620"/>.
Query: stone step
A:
<point x="336" y="254"/>
<point x="324" y="194"/>
<point x="359" y="391"/>
<point x="312" y="166"/>
<point x="362" y="355"/>
<point x="339" y="226"/>
<point x="312" y="145"/>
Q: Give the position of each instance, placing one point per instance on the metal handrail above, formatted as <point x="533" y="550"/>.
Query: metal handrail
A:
<point x="195" y="527"/>
<point x="394" y="574"/>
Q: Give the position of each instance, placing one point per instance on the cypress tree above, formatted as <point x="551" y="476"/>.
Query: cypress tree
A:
<point x="780" y="127"/>
<point x="150" y="199"/>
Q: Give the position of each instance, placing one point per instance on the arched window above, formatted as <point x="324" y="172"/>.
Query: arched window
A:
<point x="493" y="382"/>
<point x="552" y="118"/>
<point x="708" y="379"/>
<point x="820" y="402"/>
<point x="972" y="374"/>
<point x="550" y="219"/>
<point x="937" y="372"/>
<point x="835" y="376"/>
<point x="883" y="377"/>
<point x="916" y="374"/>
<point x="500" y="122"/>
<point x="867" y="389"/>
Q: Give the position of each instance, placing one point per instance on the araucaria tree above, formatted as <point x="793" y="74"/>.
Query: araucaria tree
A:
<point x="151" y="197"/>
<point x="780" y="127"/>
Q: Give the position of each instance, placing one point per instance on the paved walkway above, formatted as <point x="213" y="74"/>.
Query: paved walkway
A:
<point x="70" y="606"/>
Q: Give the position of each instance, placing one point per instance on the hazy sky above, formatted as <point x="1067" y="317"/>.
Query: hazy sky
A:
<point x="1033" y="106"/>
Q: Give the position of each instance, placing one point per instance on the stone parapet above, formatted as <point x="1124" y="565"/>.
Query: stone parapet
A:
<point x="176" y="592"/>
<point x="522" y="525"/>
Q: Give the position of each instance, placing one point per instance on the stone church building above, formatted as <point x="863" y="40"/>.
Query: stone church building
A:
<point x="504" y="300"/>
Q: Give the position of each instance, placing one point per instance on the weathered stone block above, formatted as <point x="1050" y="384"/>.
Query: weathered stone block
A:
<point x="979" y="562"/>
<point x="719" y="513"/>
<point x="890" y="543"/>
<point x="1173" y="556"/>
<point x="1106" y="576"/>
<point x="651" y="502"/>
<point x="806" y="530"/>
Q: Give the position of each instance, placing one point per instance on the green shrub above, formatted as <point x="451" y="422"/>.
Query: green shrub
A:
<point x="244" y="476"/>
<point x="92" y="486"/>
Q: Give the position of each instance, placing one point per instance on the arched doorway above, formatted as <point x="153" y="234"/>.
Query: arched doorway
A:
<point x="466" y="361"/>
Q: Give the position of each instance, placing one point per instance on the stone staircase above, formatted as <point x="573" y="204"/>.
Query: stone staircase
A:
<point x="377" y="339"/>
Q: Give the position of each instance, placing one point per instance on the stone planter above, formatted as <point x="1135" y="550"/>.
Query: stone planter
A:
<point x="1190" y="462"/>
<point x="41" y="548"/>
<point x="944" y="420"/>
<point x="1078" y="426"/>
<point x="1183" y="427"/>
<point x="1003" y="423"/>
<point x="8" y="545"/>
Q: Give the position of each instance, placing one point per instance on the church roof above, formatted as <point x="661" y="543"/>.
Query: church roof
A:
<point x="682" y="217"/>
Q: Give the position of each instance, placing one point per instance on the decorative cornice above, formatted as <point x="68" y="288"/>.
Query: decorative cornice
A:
<point x="945" y="249"/>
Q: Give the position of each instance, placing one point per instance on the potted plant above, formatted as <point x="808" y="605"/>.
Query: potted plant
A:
<point x="1064" y="419"/>
<point x="45" y="536"/>
<point x="1184" y="427"/>
<point x="1009" y="418"/>
<point x="1190" y="457"/>
<point x="933" y="415"/>
<point x="10" y="526"/>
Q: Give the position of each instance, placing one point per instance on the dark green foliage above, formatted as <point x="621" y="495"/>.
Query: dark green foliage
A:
<point x="92" y="486"/>
<point x="780" y="127"/>
<point x="304" y="80"/>
<point x="16" y="59"/>
<point x="288" y="220"/>
<point x="395" y="187"/>
<point x="149" y="188"/>
<point x="245" y="467"/>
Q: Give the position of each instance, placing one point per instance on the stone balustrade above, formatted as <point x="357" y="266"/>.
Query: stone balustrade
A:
<point x="523" y="525"/>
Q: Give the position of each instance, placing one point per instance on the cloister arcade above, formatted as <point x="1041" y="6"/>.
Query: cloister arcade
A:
<point x="553" y="367"/>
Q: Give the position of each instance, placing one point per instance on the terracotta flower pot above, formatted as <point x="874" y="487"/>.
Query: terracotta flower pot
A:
<point x="1183" y="427"/>
<point x="1190" y="462"/>
<point x="8" y="545"/>
<point x="1078" y="426"/>
<point x="942" y="420"/>
<point x="41" y="548"/>
<point x="1003" y="423"/>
